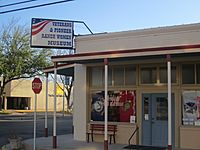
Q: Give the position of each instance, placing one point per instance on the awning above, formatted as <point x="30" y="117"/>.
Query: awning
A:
<point x="114" y="55"/>
<point x="62" y="69"/>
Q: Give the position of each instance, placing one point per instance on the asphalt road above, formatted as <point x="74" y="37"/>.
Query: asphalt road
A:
<point x="22" y="125"/>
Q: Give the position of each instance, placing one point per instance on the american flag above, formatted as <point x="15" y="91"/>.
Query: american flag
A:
<point x="38" y="25"/>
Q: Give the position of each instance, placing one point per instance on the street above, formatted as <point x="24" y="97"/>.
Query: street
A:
<point x="22" y="125"/>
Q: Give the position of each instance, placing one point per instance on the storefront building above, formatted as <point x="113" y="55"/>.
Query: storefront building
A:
<point x="138" y="84"/>
<point x="18" y="95"/>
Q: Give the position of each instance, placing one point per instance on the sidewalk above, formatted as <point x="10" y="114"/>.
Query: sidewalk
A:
<point x="66" y="142"/>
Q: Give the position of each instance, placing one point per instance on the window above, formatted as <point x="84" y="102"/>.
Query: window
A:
<point x="148" y="75"/>
<point x="130" y="76"/>
<point x="163" y="74"/>
<point x="162" y="108"/>
<point x="109" y="76"/>
<point x="97" y="76"/>
<point x="191" y="108"/>
<point x="121" y="106"/>
<point x="118" y="76"/>
<point x="146" y="108"/>
<point x="188" y="74"/>
<point x="198" y="73"/>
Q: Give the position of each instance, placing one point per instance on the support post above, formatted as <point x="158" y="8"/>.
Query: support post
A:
<point x="169" y="102"/>
<point x="63" y="99"/>
<point x="106" y="106"/>
<point x="54" y="114"/>
<point x="46" y="112"/>
<point x="34" y="137"/>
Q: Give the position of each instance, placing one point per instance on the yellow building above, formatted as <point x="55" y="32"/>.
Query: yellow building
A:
<point x="20" y="96"/>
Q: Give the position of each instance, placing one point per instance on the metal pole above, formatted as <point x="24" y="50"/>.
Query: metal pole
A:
<point x="169" y="103"/>
<point x="34" y="138"/>
<point x="106" y="106"/>
<point x="84" y="25"/>
<point x="46" y="112"/>
<point x="63" y="100"/>
<point x="54" y="114"/>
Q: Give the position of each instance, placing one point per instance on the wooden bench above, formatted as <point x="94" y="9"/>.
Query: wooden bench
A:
<point x="99" y="129"/>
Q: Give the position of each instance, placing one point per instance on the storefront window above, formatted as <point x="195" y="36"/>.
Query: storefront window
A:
<point x="130" y="76"/>
<point x="121" y="106"/>
<point x="97" y="76"/>
<point x="148" y="75"/>
<point x="163" y="74"/>
<point x="191" y="108"/>
<point x="188" y="74"/>
<point x="198" y="73"/>
<point x="109" y="76"/>
<point x="118" y="75"/>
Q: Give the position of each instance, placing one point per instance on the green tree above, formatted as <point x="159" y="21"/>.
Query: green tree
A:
<point x="17" y="59"/>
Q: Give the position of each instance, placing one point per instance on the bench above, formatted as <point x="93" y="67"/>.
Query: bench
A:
<point x="99" y="129"/>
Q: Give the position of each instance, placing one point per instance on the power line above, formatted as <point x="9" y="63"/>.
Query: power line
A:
<point x="35" y="6"/>
<point x="17" y="3"/>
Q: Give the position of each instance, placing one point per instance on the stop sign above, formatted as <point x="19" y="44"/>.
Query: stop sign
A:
<point x="36" y="85"/>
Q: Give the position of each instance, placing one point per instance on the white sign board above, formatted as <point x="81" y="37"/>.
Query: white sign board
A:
<point x="51" y="33"/>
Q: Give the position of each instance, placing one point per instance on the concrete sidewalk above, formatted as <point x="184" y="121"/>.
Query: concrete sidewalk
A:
<point x="66" y="142"/>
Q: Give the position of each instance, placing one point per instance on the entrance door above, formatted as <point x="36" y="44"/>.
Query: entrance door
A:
<point x="155" y="119"/>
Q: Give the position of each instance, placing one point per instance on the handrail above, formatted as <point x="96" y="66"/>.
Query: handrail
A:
<point x="129" y="141"/>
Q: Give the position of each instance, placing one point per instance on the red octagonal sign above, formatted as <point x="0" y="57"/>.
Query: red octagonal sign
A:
<point x="37" y="85"/>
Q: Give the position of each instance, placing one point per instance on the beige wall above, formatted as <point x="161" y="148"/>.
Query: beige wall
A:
<point x="137" y="39"/>
<point x="80" y="103"/>
<point x="23" y="88"/>
<point x="189" y="137"/>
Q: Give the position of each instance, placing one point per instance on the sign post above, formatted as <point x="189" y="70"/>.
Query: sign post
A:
<point x="36" y="87"/>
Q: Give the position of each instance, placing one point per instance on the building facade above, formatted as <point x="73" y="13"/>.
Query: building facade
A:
<point x="19" y="95"/>
<point x="138" y="84"/>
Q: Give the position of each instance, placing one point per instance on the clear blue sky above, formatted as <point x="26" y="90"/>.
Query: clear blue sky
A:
<point x="110" y="15"/>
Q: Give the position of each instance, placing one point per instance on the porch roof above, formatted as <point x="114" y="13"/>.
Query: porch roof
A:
<point x="62" y="69"/>
<point x="127" y="54"/>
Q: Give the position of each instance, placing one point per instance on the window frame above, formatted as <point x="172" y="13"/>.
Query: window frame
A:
<point x="195" y="74"/>
<point x="111" y="76"/>
<point x="157" y="66"/>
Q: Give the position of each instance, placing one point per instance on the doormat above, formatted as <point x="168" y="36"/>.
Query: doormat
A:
<point x="142" y="147"/>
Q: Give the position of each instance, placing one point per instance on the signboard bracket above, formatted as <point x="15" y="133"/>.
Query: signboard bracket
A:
<point x="84" y="25"/>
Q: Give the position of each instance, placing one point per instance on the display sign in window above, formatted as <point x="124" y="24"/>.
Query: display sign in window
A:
<point x="121" y="106"/>
<point x="191" y="108"/>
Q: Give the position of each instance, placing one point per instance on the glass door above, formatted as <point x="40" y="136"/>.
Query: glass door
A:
<point x="155" y="119"/>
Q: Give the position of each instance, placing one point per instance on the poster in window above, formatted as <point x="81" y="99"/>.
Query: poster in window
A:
<point x="97" y="113"/>
<point x="191" y="107"/>
<point x="127" y="109"/>
<point x="121" y="106"/>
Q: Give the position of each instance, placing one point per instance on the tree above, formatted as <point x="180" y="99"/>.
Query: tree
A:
<point x="17" y="59"/>
<point x="67" y="89"/>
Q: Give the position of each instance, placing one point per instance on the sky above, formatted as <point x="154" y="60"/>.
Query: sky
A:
<point x="109" y="15"/>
